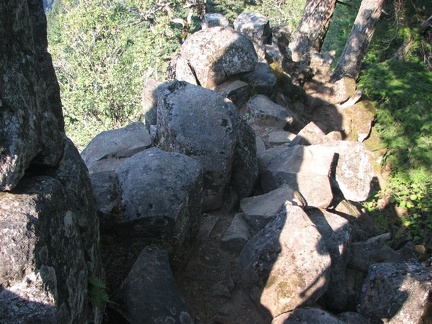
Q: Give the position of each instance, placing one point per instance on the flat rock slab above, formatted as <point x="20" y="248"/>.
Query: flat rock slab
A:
<point x="149" y="293"/>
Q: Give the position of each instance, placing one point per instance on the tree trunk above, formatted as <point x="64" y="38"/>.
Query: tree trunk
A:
<point x="358" y="41"/>
<point x="312" y="29"/>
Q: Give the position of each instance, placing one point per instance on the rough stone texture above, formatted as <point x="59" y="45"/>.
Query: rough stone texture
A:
<point x="309" y="135"/>
<point x="357" y="120"/>
<point x="262" y="111"/>
<point x="352" y="318"/>
<point x="204" y="125"/>
<point x="237" y="91"/>
<point x="320" y="93"/>
<point x="286" y="264"/>
<point x="161" y="197"/>
<point x="280" y="137"/>
<point x="214" y="55"/>
<point x="109" y="149"/>
<point x="236" y="235"/>
<point x="304" y="168"/>
<point x="307" y="315"/>
<point x="149" y="293"/>
<point x="354" y="170"/>
<point x="261" y="80"/>
<point x="42" y="244"/>
<point x="149" y="101"/>
<point x="255" y="26"/>
<point x="363" y="253"/>
<point x="31" y="120"/>
<point x="397" y="292"/>
<point x="214" y="20"/>
<point x="107" y="193"/>
<point x="336" y="233"/>
<point x="259" y="210"/>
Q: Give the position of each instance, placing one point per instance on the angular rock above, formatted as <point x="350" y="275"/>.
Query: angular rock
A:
<point x="255" y="26"/>
<point x="354" y="170"/>
<point x="264" y="112"/>
<point x="259" y="210"/>
<point x="31" y="123"/>
<point x="109" y="149"/>
<point x="286" y="264"/>
<point x="237" y="91"/>
<point x="358" y="120"/>
<point x="280" y="137"/>
<point x="149" y="293"/>
<point x="352" y="318"/>
<point x="336" y="233"/>
<point x="304" y="168"/>
<point x="214" y="55"/>
<point x="204" y="125"/>
<point x="107" y="193"/>
<point x="309" y="135"/>
<point x="214" y="20"/>
<point x="149" y="101"/>
<point x="236" y="235"/>
<point x="307" y="315"/>
<point x="397" y="292"/>
<point x="261" y="80"/>
<point x="363" y="253"/>
<point x="161" y="197"/>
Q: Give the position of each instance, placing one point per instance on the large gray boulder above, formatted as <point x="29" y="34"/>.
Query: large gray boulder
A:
<point x="31" y="120"/>
<point x="304" y="168"/>
<point x="204" y="125"/>
<point x="211" y="56"/>
<point x="396" y="292"/>
<point x="161" y="198"/>
<point x="107" y="150"/>
<point x="286" y="264"/>
<point x="255" y="26"/>
<point x="262" y="111"/>
<point x="149" y="293"/>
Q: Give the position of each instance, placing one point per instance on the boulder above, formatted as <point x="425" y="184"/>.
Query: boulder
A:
<point x="354" y="171"/>
<point x="149" y="101"/>
<point x="304" y="168"/>
<point x="255" y="26"/>
<point x="236" y="235"/>
<point x="109" y="149"/>
<point x="261" y="111"/>
<point x="307" y="315"/>
<point x="237" y="91"/>
<point x="259" y="210"/>
<point x="214" y="20"/>
<point x="286" y="264"/>
<point x="161" y="198"/>
<point x="31" y="122"/>
<point x="336" y="233"/>
<point x="396" y="292"/>
<point x="107" y="193"/>
<point x="202" y="124"/>
<point x="261" y="80"/>
<point x="309" y="135"/>
<point x="149" y="293"/>
<point x="280" y="137"/>
<point x="215" y="54"/>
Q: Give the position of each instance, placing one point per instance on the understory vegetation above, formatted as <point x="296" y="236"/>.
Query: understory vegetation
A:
<point x="103" y="51"/>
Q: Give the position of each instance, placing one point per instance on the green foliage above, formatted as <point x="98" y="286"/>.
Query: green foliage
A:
<point x="97" y="290"/>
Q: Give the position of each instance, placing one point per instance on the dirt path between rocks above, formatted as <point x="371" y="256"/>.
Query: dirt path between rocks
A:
<point x="206" y="280"/>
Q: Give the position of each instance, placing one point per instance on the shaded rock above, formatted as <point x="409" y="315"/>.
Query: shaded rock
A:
<point x="236" y="235"/>
<point x="300" y="167"/>
<point x="353" y="318"/>
<point x="261" y="111"/>
<point x="309" y="135"/>
<point x="307" y="315"/>
<point x="237" y="91"/>
<point x="255" y="26"/>
<point x="215" y="54"/>
<point x="261" y="80"/>
<point x="336" y="233"/>
<point x="397" y="292"/>
<point x="149" y="293"/>
<point x="286" y="264"/>
<point x="107" y="150"/>
<point x="281" y="35"/>
<point x="322" y="93"/>
<point x="280" y="137"/>
<point x="204" y="125"/>
<point x="354" y="171"/>
<point x="363" y="253"/>
<point x="259" y="210"/>
<point x="149" y="102"/>
<point x="31" y="123"/>
<point x="107" y="193"/>
<point x="214" y="20"/>
<point x="354" y="281"/>
<point x="161" y="198"/>
<point x="42" y="245"/>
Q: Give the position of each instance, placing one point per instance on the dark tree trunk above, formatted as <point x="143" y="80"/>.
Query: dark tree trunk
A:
<point x="312" y="29"/>
<point x="358" y="41"/>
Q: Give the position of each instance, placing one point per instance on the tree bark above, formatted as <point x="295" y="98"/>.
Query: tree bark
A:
<point x="358" y="41"/>
<point x="312" y="29"/>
